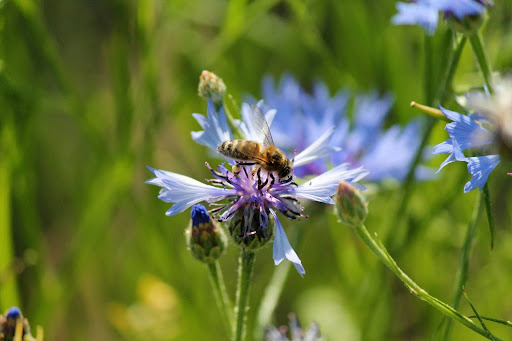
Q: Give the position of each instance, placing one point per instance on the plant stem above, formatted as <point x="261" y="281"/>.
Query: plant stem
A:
<point x="274" y="289"/>
<point x="415" y="289"/>
<point x="484" y="65"/>
<point x="450" y="72"/>
<point x="490" y="218"/>
<point x="441" y="95"/>
<point x="271" y="297"/>
<point x="242" y="294"/>
<point x="8" y="288"/>
<point x="220" y="293"/>
<point x="462" y="273"/>
<point x="482" y="60"/>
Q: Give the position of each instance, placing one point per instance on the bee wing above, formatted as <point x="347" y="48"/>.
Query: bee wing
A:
<point x="261" y="126"/>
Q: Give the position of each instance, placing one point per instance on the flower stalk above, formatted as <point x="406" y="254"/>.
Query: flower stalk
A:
<point x="454" y="58"/>
<point x="380" y="251"/>
<point x="8" y="287"/>
<point x="485" y="67"/>
<point x="462" y="273"/>
<point x="482" y="60"/>
<point x="220" y="293"/>
<point x="246" y="264"/>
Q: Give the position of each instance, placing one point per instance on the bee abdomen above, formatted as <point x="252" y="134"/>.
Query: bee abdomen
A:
<point x="232" y="149"/>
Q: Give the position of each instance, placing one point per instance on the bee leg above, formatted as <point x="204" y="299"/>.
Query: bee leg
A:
<point x="288" y="179"/>
<point x="273" y="179"/>
<point x="261" y="184"/>
<point x="236" y="169"/>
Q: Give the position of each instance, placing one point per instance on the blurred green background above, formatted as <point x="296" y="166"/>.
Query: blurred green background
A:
<point x="92" y="91"/>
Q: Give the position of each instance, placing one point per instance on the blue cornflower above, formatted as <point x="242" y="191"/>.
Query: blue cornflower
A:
<point x="467" y="132"/>
<point x="304" y="118"/>
<point x="256" y="196"/>
<point x="216" y="131"/>
<point x="426" y="12"/>
<point x="13" y="313"/>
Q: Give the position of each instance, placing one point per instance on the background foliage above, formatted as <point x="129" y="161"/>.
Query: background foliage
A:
<point x="91" y="92"/>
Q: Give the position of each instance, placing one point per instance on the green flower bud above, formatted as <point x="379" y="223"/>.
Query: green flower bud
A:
<point x="8" y="323"/>
<point x="211" y="86"/>
<point x="246" y="230"/>
<point x="205" y="239"/>
<point x="468" y="25"/>
<point x="351" y="205"/>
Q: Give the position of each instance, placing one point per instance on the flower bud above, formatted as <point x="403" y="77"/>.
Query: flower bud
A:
<point x="469" y="24"/>
<point x="205" y="239"/>
<point x="211" y="87"/>
<point x="247" y="231"/>
<point x="351" y="205"/>
<point x="8" y="323"/>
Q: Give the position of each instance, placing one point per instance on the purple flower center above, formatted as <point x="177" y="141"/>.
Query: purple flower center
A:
<point x="256" y="192"/>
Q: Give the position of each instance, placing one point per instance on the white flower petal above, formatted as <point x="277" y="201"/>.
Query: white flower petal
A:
<point x="282" y="248"/>
<point x="216" y="129"/>
<point x="323" y="187"/>
<point x="184" y="192"/>
<point x="316" y="150"/>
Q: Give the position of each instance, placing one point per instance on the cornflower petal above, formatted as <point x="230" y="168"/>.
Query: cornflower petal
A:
<point x="416" y="14"/>
<point x="318" y="149"/>
<point x="445" y="147"/>
<point x="282" y="248"/>
<point x="185" y="192"/>
<point x="480" y="167"/>
<point x="459" y="8"/>
<point x="393" y="152"/>
<point x="323" y="187"/>
<point x="216" y="129"/>
<point x="370" y="111"/>
<point x="466" y="131"/>
<point x="447" y="161"/>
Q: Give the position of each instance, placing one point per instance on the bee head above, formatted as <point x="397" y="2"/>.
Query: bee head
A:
<point x="286" y="170"/>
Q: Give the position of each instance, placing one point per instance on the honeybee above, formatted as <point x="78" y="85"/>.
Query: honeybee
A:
<point x="266" y="155"/>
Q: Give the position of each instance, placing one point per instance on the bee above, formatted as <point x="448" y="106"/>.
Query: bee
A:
<point x="266" y="155"/>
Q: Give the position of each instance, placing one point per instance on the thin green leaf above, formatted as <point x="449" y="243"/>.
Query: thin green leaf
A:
<point x="478" y="316"/>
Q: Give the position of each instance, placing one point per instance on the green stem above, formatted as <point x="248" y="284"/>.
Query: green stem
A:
<point x="274" y="289"/>
<point x="482" y="60"/>
<point x="220" y="293"/>
<point x="242" y="294"/>
<point x="8" y="288"/>
<point x="231" y="110"/>
<point x="484" y="65"/>
<point x="446" y="82"/>
<point x="462" y="273"/>
<point x="398" y="236"/>
<point x="503" y="322"/>
<point x="450" y="71"/>
<point x="490" y="218"/>
<point x="270" y="298"/>
<point x="415" y="289"/>
<point x="429" y="70"/>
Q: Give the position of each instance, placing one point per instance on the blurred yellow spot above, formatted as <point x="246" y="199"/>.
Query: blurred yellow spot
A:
<point x="153" y="316"/>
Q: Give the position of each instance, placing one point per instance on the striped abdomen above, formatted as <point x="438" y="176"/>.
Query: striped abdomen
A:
<point x="239" y="149"/>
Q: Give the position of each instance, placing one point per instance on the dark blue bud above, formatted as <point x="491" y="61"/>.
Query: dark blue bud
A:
<point x="199" y="215"/>
<point x="13" y="313"/>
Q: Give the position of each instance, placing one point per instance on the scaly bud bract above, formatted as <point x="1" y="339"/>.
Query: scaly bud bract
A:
<point x="246" y="229"/>
<point x="8" y="326"/>
<point x="351" y="205"/>
<point x="211" y="86"/>
<point x="205" y="239"/>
